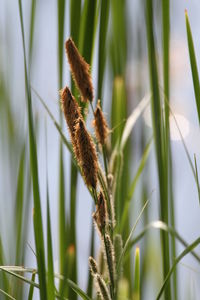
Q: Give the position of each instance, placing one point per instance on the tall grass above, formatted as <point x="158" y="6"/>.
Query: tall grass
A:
<point x="117" y="268"/>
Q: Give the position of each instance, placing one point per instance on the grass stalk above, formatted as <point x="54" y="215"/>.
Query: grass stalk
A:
<point x="37" y="216"/>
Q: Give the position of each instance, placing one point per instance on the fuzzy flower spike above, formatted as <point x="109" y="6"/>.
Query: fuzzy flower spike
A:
<point x="80" y="71"/>
<point x="87" y="154"/>
<point x="100" y="125"/>
<point x="72" y="115"/>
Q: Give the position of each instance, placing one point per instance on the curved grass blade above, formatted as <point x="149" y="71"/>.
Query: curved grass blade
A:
<point x="20" y="277"/>
<point x="77" y="290"/>
<point x="193" y="63"/>
<point x="161" y="226"/>
<point x="37" y="216"/>
<point x="132" y="120"/>
<point x="177" y="260"/>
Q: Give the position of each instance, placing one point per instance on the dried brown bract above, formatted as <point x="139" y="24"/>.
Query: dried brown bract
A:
<point x="100" y="125"/>
<point x="72" y="115"/>
<point x="100" y="214"/>
<point x="87" y="154"/>
<point x="80" y="71"/>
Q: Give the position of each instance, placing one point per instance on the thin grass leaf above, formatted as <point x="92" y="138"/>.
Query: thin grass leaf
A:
<point x="50" y="272"/>
<point x="31" y="289"/>
<point x="77" y="290"/>
<point x="90" y="277"/>
<point x="197" y="177"/>
<point x="61" y="211"/>
<point x="186" y="151"/>
<point x="19" y="208"/>
<point x="177" y="260"/>
<point x="58" y="127"/>
<point x="161" y="226"/>
<point x="7" y="295"/>
<point x="31" y="32"/>
<point x="132" y="120"/>
<point x="18" y="269"/>
<point x="129" y="237"/>
<point x="20" y="277"/>
<point x="130" y="193"/>
<point x="37" y="217"/>
<point x="193" y="63"/>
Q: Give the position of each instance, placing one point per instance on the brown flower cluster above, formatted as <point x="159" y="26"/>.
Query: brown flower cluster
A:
<point x="80" y="71"/>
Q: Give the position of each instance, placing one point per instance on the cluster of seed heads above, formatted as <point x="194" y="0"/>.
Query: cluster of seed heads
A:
<point x="86" y="156"/>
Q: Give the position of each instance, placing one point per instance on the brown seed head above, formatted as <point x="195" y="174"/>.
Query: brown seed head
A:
<point x="100" y="214"/>
<point x="72" y="115"/>
<point x="87" y="154"/>
<point x="80" y="71"/>
<point x="93" y="265"/>
<point x="100" y="125"/>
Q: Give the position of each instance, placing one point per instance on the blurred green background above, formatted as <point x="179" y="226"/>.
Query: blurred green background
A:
<point x="113" y="39"/>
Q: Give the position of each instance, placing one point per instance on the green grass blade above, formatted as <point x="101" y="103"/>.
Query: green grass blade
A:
<point x="141" y="166"/>
<point x="32" y="26"/>
<point x="75" y="14"/>
<point x="136" y="286"/>
<point x="197" y="177"/>
<point x="193" y="63"/>
<point x="129" y="237"/>
<point x="166" y="46"/>
<point x="4" y="280"/>
<point x="50" y="274"/>
<point x="19" y="208"/>
<point x="132" y="120"/>
<point x="104" y="16"/>
<point x="162" y="226"/>
<point x="61" y="23"/>
<point x="87" y="29"/>
<point x="22" y="278"/>
<point x="90" y="277"/>
<point x="77" y="290"/>
<point x="160" y="140"/>
<point x="118" y="53"/>
<point x="31" y="289"/>
<point x="7" y="295"/>
<point x="118" y="113"/>
<point x="177" y="260"/>
<point x="61" y="197"/>
<point x="37" y="216"/>
<point x="61" y="212"/>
